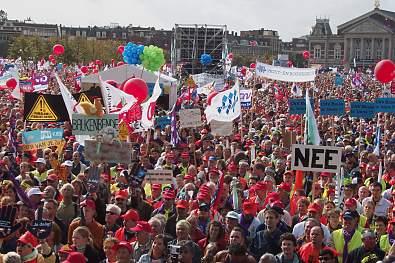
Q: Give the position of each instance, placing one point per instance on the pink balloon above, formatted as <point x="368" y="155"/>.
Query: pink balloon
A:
<point x="84" y="69"/>
<point x="120" y="49"/>
<point x="385" y="71"/>
<point x="58" y="49"/>
<point x="136" y="87"/>
<point x="306" y="54"/>
<point x="11" y="83"/>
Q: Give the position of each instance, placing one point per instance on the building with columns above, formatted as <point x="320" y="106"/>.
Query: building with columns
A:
<point x="368" y="39"/>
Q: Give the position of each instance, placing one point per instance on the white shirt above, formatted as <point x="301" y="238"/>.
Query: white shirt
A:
<point x="298" y="231"/>
<point x="381" y="208"/>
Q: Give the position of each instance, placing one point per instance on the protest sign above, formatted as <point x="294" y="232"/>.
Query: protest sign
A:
<point x="93" y="179"/>
<point x="41" y="139"/>
<point x="108" y="152"/>
<point x="40" y="82"/>
<point x="298" y="106"/>
<point x="91" y="125"/>
<point x="190" y="118"/>
<point x="316" y="158"/>
<point x="221" y="128"/>
<point x="363" y="109"/>
<point x="162" y="122"/>
<point x="246" y="98"/>
<point x="385" y="105"/>
<point x="332" y="107"/>
<point x="285" y="73"/>
<point x="159" y="176"/>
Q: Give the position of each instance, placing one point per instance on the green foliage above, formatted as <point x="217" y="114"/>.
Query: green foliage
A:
<point x="77" y="50"/>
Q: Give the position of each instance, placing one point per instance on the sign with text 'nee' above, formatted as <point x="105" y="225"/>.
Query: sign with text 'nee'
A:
<point x="316" y="158"/>
<point x="385" y="105"/>
<point x="190" y="118"/>
<point x="363" y="109"/>
<point x="332" y="107"/>
<point x="159" y="176"/>
<point x="92" y="125"/>
<point x="108" y="152"/>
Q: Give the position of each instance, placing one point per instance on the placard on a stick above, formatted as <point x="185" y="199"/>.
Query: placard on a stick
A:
<point x="108" y="152"/>
<point x="316" y="158"/>
<point x="91" y="125"/>
<point x="159" y="176"/>
<point x="221" y="128"/>
<point x="190" y="118"/>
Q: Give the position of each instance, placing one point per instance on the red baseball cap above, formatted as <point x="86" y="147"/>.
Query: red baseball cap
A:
<point x="124" y="244"/>
<point x="189" y="177"/>
<point x="285" y="186"/>
<point x="350" y="202"/>
<point x="88" y="203"/>
<point x="249" y="208"/>
<point x="28" y="238"/>
<point x="131" y="214"/>
<point x="156" y="186"/>
<point x="75" y="257"/>
<point x="52" y="177"/>
<point x="314" y="207"/>
<point x="325" y="174"/>
<point x="169" y="194"/>
<point x="182" y="204"/>
<point x="185" y="155"/>
<point x="260" y="186"/>
<point x="123" y="194"/>
<point x="142" y="226"/>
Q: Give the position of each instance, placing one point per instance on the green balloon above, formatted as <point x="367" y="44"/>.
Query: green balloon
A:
<point x="152" y="58"/>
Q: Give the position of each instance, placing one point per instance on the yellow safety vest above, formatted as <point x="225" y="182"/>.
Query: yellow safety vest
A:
<point x="338" y="241"/>
<point x="385" y="243"/>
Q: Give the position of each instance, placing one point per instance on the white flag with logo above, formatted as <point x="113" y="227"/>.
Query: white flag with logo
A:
<point x="113" y="97"/>
<point x="225" y="106"/>
<point x="69" y="100"/>
<point x="148" y="107"/>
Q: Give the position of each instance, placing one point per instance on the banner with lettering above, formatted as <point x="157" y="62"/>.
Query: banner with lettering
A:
<point x="284" y="73"/>
<point x="41" y="139"/>
<point x="363" y="109"/>
<point x="246" y="98"/>
<point x="92" y="125"/>
<point x="40" y="82"/>
<point x="332" y="107"/>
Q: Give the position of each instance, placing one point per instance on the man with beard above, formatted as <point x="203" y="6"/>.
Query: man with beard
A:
<point x="137" y="202"/>
<point x="121" y="199"/>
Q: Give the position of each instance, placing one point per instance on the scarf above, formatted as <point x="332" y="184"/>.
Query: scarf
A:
<point x="30" y="256"/>
<point x="347" y="238"/>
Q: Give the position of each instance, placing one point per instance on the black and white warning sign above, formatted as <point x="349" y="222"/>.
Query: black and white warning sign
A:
<point x="316" y="158"/>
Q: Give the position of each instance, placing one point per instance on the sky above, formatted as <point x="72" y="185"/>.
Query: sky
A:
<point x="291" y="18"/>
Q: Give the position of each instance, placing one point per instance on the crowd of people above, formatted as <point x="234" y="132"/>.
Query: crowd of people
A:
<point x="233" y="199"/>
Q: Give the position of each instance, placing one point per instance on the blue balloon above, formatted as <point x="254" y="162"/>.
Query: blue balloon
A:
<point x="206" y="59"/>
<point x="132" y="52"/>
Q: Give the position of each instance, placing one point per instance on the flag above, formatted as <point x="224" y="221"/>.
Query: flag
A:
<point x="311" y="134"/>
<point x="225" y="106"/>
<point x="114" y="99"/>
<point x="377" y="142"/>
<point x="69" y="101"/>
<point x="148" y="107"/>
<point x="175" y="138"/>
<point x="296" y="91"/>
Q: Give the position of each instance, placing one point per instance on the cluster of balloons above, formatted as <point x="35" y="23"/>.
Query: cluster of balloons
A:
<point x="206" y="59"/>
<point x="385" y="71"/>
<point x="57" y="50"/>
<point x="131" y="53"/>
<point x="152" y="58"/>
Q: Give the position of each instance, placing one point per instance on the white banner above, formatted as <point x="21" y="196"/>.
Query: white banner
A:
<point x="190" y="118"/>
<point x="225" y="106"/>
<point x="316" y="158"/>
<point x="285" y="74"/>
<point x="159" y="176"/>
<point x="246" y="98"/>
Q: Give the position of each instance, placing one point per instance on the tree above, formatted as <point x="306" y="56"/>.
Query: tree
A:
<point x="3" y="16"/>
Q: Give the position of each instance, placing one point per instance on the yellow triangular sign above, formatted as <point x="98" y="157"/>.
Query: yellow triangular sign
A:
<point x="41" y="111"/>
<point x="84" y="98"/>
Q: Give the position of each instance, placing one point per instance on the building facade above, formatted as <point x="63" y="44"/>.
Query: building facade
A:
<point x="364" y="40"/>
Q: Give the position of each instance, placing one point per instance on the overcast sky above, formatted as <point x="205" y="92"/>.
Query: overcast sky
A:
<point x="291" y="18"/>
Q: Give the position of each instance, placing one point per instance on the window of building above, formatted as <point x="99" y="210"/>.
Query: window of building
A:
<point x="379" y="49"/>
<point x="83" y="33"/>
<point x="123" y="35"/>
<point x="141" y="34"/>
<point x="114" y="35"/>
<point x="104" y="34"/>
<point x="77" y="33"/>
<point x="337" y="52"/>
<point x="368" y="50"/>
<point x="317" y="51"/>
<point x="98" y="34"/>
<point x="357" y="50"/>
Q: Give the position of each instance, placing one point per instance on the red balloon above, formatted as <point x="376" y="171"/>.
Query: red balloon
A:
<point x="120" y="63"/>
<point x="136" y="87"/>
<point x="252" y="65"/>
<point x="84" y="69"/>
<point x="11" y="83"/>
<point x="243" y="71"/>
<point x="230" y="55"/>
<point x="98" y="62"/>
<point x="306" y="54"/>
<point x="50" y="57"/>
<point x="95" y="70"/>
<point x="112" y="83"/>
<point x="385" y="71"/>
<point x="120" y="49"/>
<point x="53" y="61"/>
<point x="58" y="49"/>
<point x="211" y="96"/>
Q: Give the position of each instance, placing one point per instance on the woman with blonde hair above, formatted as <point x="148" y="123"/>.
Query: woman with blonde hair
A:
<point x="83" y="243"/>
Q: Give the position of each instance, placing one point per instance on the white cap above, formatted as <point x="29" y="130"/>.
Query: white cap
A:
<point x="40" y="160"/>
<point x="113" y="209"/>
<point x="68" y="163"/>
<point x="34" y="191"/>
